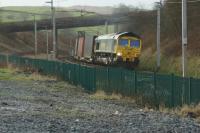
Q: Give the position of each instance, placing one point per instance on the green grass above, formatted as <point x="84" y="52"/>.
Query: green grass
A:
<point x="12" y="74"/>
<point x="31" y="9"/>
<point x="14" y="16"/>
<point x="169" y="65"/>
<point x="15" y="74"/>
<point x="5" y="74"/>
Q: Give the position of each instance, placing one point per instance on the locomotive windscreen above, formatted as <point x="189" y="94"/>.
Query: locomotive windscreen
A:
<point x="123" y="42"/>
<point x="135" y="43"/>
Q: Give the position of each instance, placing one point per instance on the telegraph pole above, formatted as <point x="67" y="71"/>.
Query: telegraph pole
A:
<point x="35" y="31"/>
<point x="158" y="35"/>
<point x="184" y="36"/>
<point x="47" y="35"/>
<point x="116" y="28"/>
<point x="54" y="28"/>
<point x="106" y="27"/>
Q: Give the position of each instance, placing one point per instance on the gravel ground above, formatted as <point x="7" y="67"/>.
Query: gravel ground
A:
<point x="50" y="106"/>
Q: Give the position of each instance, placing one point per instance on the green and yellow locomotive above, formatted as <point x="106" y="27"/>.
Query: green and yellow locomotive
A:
<point x="109" y="49"/>
<point x="117" y="48"/>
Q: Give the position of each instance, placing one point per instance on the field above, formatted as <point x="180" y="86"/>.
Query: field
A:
<point x="11" y="16"/>
<point x="169" y="64"/>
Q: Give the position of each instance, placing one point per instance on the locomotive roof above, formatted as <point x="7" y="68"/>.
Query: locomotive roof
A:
<point x="117" y="35"/>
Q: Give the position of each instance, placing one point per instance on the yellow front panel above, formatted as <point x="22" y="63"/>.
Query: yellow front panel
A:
<point x="127" y="51"/>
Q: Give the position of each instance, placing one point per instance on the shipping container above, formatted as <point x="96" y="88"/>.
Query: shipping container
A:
<point x="84" y="45"/>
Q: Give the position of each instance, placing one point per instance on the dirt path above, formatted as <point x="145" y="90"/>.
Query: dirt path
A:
<point x="49" y="106"/>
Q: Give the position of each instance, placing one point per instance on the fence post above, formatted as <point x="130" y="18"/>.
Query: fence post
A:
<point x="172" y="90"/>
<point x="135" y="82"/>
<point x="74" y="74"/>
<point x="183" y="94"/>
<point x="155" y="89"/>
<point x="7" y="60"/>
<point x="79" y="75"/>
<point x="108" y="78"/>
<point x="122" y="82"/>
<point x="190" y="89"/>
<point x="94" y="78"/>
<point x="154" y="79"/>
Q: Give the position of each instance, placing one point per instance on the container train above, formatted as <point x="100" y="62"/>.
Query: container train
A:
<point x="111" y="49"/>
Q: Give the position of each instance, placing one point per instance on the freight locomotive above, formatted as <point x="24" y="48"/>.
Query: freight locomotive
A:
<point x="110" y="49"/>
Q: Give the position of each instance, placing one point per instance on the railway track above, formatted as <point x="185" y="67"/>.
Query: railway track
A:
<point x="72" y="60"/>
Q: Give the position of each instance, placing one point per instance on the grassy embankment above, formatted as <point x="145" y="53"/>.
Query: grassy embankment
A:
<point x="11" y="73"/>
<point x="170" y="65"/>
<point x="7" y="16"/>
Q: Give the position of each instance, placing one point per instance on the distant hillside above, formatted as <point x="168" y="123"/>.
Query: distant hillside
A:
<point x="9" y="15"/>
<point x="32" y="9"/>
<point x="47" y="9"/>
<point x="96" y="9"/>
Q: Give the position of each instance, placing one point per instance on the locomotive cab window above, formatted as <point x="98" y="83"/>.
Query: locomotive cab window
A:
<point x="135" y="43"/>
<point x="123" y="42"/>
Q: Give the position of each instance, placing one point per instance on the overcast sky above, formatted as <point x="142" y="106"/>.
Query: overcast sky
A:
<point x="138" y="3"/>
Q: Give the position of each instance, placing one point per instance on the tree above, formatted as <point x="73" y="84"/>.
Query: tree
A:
<point x="171" y="19"/>
<point x="121" y="9"/>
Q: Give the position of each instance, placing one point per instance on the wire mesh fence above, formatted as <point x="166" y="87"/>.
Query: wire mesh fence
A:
<point x="153" y="88"/>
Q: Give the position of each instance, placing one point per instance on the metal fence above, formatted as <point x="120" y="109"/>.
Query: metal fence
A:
<point x="152" y="88"/>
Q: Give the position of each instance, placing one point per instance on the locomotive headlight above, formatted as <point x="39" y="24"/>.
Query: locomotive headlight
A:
<point x="119" y="54"/>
